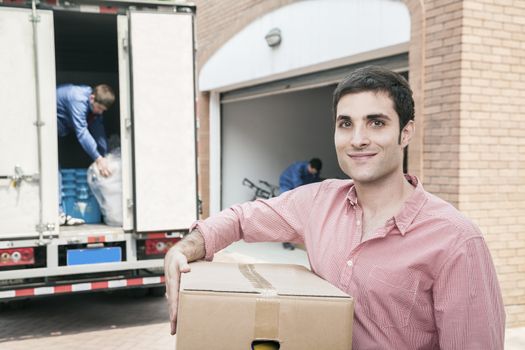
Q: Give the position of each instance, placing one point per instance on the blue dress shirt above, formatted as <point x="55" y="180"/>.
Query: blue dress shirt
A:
<point x="73" y="110"/>
<point x="296" y="175"/>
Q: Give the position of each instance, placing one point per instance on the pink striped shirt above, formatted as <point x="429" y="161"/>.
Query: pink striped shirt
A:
<point x="426" y="280"/>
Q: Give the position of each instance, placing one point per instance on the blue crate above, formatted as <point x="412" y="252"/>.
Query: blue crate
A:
<point x="86" y="206"/>
<point x="77" y="198"/>
<point x="69" y="194"/>
<point x="81" y="176"/>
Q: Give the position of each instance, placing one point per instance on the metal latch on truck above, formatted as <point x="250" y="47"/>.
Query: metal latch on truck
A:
<point x="19" y="176"/>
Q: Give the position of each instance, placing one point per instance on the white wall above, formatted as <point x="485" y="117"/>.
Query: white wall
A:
<point x="261" y="137"/>
<point x="315" y="33"/>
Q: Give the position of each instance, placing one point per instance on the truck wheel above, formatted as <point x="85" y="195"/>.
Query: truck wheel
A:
<point x="157" y="291"/>
<point x="14" y="304"/>
<point x="137" y="292"/>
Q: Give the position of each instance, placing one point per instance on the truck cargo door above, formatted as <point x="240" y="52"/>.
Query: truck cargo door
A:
<point x="22" y="206"/>
<point x="163" y="120"/>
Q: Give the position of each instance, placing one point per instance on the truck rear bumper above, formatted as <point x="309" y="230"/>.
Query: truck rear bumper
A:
<point x="136" y="282"/>
<point x="80" y="269"/>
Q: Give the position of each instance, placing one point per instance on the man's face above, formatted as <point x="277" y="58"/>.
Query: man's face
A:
<point x="96" y="107"/>
<point x="312" y="170"/>
<point x="367" y="137"/>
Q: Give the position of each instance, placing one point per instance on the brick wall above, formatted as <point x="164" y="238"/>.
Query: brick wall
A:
<point x="492" y="134"/>
<point x="441" y="85"/>
<point x="467" y="69"/>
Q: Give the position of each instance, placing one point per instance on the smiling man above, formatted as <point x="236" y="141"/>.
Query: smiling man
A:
<point x="420" y="272"/>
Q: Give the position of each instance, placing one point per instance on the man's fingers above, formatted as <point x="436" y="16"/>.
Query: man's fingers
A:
<point x="105" y="172"/>
<point x="173" y="324"/>
<point x="172" y="288"/>
<point x="172" y="307"/>
<point x="175" y="263"/>
<point x="103" y="167"/>
<point x="183" y="264"/>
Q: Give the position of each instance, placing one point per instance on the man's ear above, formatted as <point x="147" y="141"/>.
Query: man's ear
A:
<point x="407" y="133"/>
<point x="91" y="98"/>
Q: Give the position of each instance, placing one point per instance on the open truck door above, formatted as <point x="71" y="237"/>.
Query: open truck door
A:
<point x="146" y="52"/>
<point x="28" y="141"/>
<point x="163" y="121"/>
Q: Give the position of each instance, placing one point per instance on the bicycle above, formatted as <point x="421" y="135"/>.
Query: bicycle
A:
<point x="274" y="190"/>
<point x="259" y="192"/>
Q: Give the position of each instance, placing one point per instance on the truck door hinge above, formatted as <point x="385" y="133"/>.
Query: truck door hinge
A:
<point x="129" y="203"/>
<point x="45" y="227"/>
<point x="34" y="19"/>
<point x="125" y="44"/>
<point x="127" y="123"/>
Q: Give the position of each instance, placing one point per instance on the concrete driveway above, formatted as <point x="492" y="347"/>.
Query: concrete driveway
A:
<point x="124" y="321"/>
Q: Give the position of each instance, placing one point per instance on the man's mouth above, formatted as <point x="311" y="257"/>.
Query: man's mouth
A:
<point x="362" y="155"/>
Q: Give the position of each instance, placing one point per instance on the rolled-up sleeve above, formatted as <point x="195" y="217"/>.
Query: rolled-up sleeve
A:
<point x="79" y="111"/>
<point x="279" y="219"/>
<point x="468" y="306"/>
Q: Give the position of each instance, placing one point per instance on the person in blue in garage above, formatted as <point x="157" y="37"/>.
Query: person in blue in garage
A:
<point x="298" y="174"/>
<point x="79" y="111"/>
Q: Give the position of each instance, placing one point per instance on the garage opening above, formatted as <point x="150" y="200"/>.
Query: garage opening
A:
<point x="267" y="127"/>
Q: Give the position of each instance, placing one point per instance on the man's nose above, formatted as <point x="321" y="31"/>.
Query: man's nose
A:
<point x="360" y="137"/>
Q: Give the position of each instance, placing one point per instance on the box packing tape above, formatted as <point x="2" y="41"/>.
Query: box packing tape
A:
<point x="267" y="306"/>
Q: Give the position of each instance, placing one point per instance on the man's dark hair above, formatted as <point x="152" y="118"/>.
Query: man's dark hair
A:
<point x="316" y="164"/>
<point x="104" y="95"/>
<point x="379" y="79"/>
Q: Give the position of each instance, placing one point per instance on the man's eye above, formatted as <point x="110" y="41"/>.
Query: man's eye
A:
<point x="345" y="124"/>
<point x="377" y="123"/>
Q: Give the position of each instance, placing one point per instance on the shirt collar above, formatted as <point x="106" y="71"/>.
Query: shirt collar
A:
<point x="410" y="208"/>
<point x="352" y="196"/>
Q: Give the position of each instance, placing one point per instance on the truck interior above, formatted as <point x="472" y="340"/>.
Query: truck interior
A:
<point x="86" y="53"/>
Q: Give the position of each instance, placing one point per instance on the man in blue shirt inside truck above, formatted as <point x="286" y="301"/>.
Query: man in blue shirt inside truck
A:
<point x="79" y="110"/>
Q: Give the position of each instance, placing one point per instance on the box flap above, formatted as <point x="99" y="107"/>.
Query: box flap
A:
<point x="279" y="279"/>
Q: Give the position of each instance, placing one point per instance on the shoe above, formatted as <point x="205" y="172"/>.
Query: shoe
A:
<point x="68" y="220"/>
<point x="288" y="245"/>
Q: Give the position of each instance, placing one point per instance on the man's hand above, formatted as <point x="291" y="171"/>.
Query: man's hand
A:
<point x="103" y="166"/>
<point x="190" y="248"/>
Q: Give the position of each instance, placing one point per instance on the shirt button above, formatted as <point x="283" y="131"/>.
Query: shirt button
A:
<point x="350" y="263"/>
<point x="358" y="223"/>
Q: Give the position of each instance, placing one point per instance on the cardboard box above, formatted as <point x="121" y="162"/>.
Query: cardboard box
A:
<point x="228" y="306"/>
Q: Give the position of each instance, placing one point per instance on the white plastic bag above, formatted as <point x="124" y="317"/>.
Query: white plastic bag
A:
<point x="108" y="190"/>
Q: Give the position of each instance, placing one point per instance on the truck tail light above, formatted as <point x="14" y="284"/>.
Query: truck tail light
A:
<point x="17" y="256"/>
<point x="159" y="246"/>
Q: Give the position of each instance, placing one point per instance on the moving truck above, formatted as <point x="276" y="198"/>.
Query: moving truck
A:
<point x="145" y="51"/>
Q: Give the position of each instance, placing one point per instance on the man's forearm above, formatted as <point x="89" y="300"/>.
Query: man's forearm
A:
<point x="192" y="246"/>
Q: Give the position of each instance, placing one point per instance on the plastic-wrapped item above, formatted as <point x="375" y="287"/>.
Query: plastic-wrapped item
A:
<point x="108" y="190"/>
